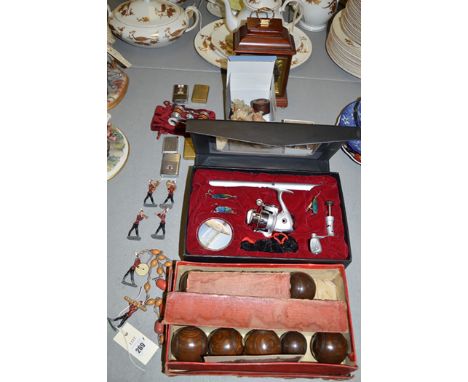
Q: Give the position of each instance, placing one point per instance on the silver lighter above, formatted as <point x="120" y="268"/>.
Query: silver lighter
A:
<point x="170" y="157"/>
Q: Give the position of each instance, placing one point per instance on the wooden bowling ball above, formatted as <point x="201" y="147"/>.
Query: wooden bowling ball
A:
<point x="302" y="286"/>
<point x="183" y="282"/>
<point x="293" y="343"/>
<point x="329" y="347"/>
<point x="262" y="342"/>
<point x="189" y="344"/>
<point x="225" y="341"/>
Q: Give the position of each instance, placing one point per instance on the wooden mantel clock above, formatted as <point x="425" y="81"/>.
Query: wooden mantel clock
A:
<point x="268" y="37"/>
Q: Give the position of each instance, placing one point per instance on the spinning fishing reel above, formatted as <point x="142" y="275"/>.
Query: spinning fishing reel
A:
<point x="267" y="218"/>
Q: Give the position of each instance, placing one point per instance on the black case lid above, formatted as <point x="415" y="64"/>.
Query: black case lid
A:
<point x="330" y="138"/>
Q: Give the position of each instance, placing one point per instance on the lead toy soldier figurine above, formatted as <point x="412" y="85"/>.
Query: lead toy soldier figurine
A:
<point x="162" y="224"/>
<point x="152" y="186"/>
<point x="133" y="306"/>
<point x="171" y="187"/>
<point x="131" y="272"/>
<point x="141" y="215"/>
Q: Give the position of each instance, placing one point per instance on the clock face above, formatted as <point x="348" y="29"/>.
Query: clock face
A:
<point x="280" y="75"/>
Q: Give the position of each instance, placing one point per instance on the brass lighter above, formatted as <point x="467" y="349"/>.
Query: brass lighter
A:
<point x="189" y="149"/>
<point x="200" y="93"/>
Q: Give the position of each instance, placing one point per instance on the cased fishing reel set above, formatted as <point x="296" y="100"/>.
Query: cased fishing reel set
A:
<point x="244" y="202"/>
<point x="239" y="218"/>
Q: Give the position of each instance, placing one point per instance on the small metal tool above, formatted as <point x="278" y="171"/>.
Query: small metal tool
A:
<point x="329" y="219"/>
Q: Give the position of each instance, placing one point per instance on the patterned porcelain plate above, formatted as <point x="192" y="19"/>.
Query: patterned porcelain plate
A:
<point x="342" y="36"/>
<point x="346" y="65"/>
<point x="205" y="48"/>
<point x="344" y="45"/>
<point x="351" y="117"/>
<point x="342" y="59"/>
<point x="343" y="51"/>
<point x="355" y="157"/>
<point x="215" y="9"/>
<point x="117" y="83"/>
<point x="118" y="153"/>
<point x="222" y="40"/>
<point x="214" y="41"/>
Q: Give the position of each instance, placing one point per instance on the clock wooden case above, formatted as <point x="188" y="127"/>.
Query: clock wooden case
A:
<point x="265" y="36"/>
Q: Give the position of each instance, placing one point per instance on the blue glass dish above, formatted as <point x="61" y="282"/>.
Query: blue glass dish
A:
<point x="351" y="117"/>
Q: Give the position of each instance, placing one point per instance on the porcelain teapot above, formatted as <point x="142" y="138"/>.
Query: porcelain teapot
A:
<point x="272" y="8"/>
<point x="151" y="23"/>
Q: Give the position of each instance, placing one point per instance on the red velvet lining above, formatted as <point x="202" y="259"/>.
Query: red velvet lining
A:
<point x="202" y="205"/>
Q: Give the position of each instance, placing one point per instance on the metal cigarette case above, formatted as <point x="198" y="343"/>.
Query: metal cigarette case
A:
<point x="170" y="145"/>
<point x="170" y="165"/>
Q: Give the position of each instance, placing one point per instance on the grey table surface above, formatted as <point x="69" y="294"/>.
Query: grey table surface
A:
<point x="317" y="91"/>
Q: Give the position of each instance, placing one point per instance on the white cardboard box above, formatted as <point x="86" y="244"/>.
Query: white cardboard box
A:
<point x="249" y="78"/>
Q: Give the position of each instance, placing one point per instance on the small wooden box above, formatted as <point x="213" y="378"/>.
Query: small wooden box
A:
<point x="263" y="36"/>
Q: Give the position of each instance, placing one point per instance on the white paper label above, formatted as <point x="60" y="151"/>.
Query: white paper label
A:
<point x="137" y="344"/>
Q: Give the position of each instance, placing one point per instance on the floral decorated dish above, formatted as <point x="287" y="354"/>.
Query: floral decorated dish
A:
<point x="351" y="117"/>
<point x="214" y="44"/>
<point x="117" y="83"/>
<point x="117" y="151"/>
<point x="151" y="23"/>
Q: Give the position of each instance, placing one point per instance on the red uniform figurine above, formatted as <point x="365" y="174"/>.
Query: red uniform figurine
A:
<point x="133" y="306"/>
<point x="152" y="186"/>
<point x="171" y="187"/>
<point x="162" y="224"/>
<point x="136" y="223"/>
<point x="131" y="272"/>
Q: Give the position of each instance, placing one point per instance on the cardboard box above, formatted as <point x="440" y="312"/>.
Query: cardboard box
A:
<point x="331" y="288"/>
<point x="249" y="78"/>
<point x="265" y="152"/>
